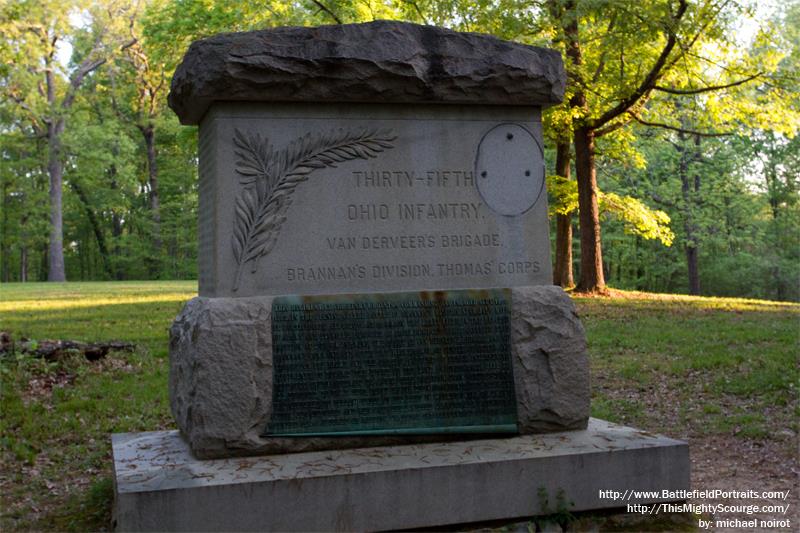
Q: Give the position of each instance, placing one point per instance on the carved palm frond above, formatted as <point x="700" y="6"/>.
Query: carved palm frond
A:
<point x="253" y="159"/>
<point x="269" y="179"/>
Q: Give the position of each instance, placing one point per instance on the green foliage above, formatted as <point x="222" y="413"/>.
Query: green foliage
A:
<point x="563" y="195"/>
<point x="560" y="515"/>
<point x="638" y="219"/>
<point x="738" y="207"/>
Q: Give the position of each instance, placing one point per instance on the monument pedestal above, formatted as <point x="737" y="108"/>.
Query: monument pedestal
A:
<point x="159" y="485"/>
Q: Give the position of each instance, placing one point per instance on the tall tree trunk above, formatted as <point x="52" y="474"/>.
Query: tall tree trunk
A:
<point x="592" y="279"/>
<point x="43" y="263"/>
<point x="5" y="247"/>
<point x="55" y="168"/>
<point x="96" y="228"/>
<point x="693" y="269"/>
<point x="773" y="196"/>
<point x="23" y="263"/>
<point x="149" y="134"/>
<point x="23" y="247"/>
<point x="687" y="194"/>
<point x="562" y="273"/>
<point x="116" y="225"/>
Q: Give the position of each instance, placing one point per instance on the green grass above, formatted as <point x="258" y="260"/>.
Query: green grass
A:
<point x="138" y="312"/>
<point x="57" y="417"/>
<point x="679" y="365"/>
<point x="710" y="358"/>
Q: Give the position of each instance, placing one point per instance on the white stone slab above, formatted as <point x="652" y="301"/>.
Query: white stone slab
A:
<point x="415" y="197"/>
<point x="160" y="486"/>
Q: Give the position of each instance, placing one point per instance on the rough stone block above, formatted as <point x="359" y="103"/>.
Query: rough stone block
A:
<point x="385" y="61"/>
<point x="221" y="374"/>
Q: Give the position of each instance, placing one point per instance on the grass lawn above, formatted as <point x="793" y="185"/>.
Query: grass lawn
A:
<point x="722" y="373"/>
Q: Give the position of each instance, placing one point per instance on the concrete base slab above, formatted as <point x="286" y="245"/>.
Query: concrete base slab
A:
<point x="159" y="485"/>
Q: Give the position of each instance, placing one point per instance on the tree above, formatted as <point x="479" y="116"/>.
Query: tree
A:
<point x="144" y="87"/>
<point x="45" y="89"/>
<point x="777" y="160"/>
<point x="562" y="271"/>
<point x="23" y="214"/>
<point x="635" y="48"/>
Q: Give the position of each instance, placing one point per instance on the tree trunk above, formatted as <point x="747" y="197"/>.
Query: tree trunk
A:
<point x="149" y="134"/>
<point x="773" y="196"/>
<point x="592" y="279"/>
<point x="23" y="247"/>
<point x="43" y="263"/>
<point x="95" y="223"/>
<point x="562" y="273"/>
<point x="23" y="263"/>
<point x="692" y="267"/>
<point x="116" y="221"/>
<point x="5" y="247"/>
<point x="55" y="168"/>
<point x="694" y="270"/>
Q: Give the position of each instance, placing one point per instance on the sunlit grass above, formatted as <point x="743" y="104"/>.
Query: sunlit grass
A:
<point x="738" y="351"/>
<point x="638" y="298"/>
<point x="72" y="302"/>
<point x="138" y="311"/>
<point x="90" y="290"/>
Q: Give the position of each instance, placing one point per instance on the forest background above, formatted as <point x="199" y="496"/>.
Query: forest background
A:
<point x="674" y="159"/>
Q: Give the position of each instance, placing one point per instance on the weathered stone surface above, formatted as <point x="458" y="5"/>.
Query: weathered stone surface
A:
<point x="161" y="487"/>
<point x="220" y="378"/>
<point x="551" y="364"/>
<point x="382" y="61"/>
<point x="428" y="198"/>
<point x="221" y="374"/>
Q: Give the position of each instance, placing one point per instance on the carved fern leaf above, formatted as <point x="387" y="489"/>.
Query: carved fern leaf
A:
<point x="270" y="178"/>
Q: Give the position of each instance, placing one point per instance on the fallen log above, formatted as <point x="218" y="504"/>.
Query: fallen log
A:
<point x="53" y="350"/>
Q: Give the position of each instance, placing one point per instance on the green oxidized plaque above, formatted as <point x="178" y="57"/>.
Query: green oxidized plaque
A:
<point x="401" y="363"/>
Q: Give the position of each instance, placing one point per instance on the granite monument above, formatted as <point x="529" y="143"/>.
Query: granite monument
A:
<point x="360" y="187"/>
<point x="374" y="289"/>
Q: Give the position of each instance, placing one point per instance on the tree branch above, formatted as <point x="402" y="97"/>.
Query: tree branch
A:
<point x="418" y="10"/>
<point x="676" y="128"/>
<point x="327" y="10"/>
<point x="650" y="80"/>
<point x="128" y="44"/>
<point x="686" y="47"/>
<point x="37" y="128"/>
<point x="85" y="68"/>
<point x="612" y="127"/>
<point x="709" y="88"/>
<point x="602" y="61"/>
<point x="659" y="200"/>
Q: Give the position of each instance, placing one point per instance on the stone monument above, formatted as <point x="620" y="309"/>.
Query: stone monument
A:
<point x="374" y="295"/>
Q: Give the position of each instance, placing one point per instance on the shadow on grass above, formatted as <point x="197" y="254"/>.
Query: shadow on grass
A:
<point x="89" y="510"/>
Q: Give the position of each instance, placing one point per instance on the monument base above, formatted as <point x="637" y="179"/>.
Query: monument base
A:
<point x="159" y="485"/>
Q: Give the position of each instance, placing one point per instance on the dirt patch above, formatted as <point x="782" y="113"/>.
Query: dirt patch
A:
<point x="734" y="464"/>
<point x="725" y="461"/>
<point x="42" y="386"/>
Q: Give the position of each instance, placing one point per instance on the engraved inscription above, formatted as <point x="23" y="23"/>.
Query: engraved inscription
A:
<point x="392" y="363"/>
<point x="269" y="178"/>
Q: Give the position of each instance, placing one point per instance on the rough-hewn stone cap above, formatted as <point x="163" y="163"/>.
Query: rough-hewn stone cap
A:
<point x="381" y="61"/>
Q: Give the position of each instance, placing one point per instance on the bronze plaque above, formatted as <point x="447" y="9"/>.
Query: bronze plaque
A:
<point x="394" y="363"/>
